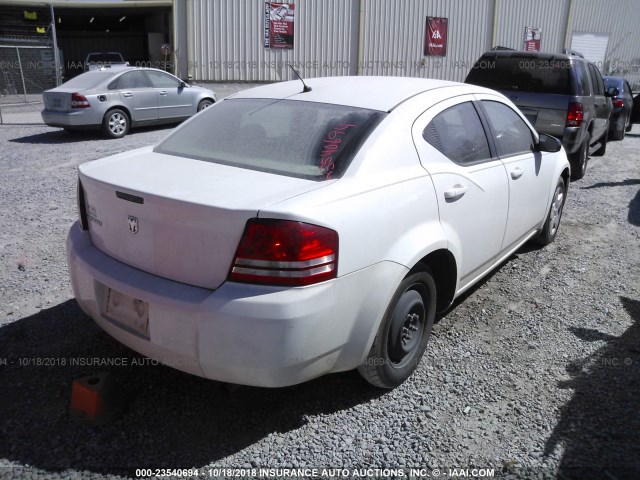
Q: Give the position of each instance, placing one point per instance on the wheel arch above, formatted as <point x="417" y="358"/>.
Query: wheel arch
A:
<point x="566" y="176"/>
<point x="120" y="107"/>
<point x="444" y="269"/>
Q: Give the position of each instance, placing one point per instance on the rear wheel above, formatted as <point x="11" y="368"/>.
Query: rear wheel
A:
<point x="603" y="145"/>
<point x="403" y="334"/>
<point x="115" y="123"/>
<point x="552" y="223"/>
<point x="580" y="159"/>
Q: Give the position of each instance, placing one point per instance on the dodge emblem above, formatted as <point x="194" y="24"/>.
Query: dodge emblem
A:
<point x="133" y="224"/>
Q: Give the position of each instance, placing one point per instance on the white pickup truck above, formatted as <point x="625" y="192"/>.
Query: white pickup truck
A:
<point x="98" y="60"/>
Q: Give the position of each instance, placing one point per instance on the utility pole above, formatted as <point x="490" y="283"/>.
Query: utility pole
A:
<point x="56" y="55"/>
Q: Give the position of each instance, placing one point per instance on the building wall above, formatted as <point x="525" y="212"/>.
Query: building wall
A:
<point x="513" y="15"/>
<point x="393" y="37"/>
<point x="225" y="40"/>
<point x="386" y="37"/>
<point x="620" y="19"/>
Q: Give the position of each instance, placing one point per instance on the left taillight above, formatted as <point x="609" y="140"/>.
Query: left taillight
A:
<point x="285" y="252"/>
<point x="82" y="207"/>
<point x="618" y="102"/>
<point x="79" y="101"/>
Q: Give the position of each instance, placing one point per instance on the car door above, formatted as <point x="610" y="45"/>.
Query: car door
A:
<point x="602" y="103"/>
<point x="470" y="183"/>
<point x="628" y="101"/>
<point x="136" y="93"/>
<point x="528" y="174"/>
<point x="635" y="110"/>
<point x="174" y="99"/>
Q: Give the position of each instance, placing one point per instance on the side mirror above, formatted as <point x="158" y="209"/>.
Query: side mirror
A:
<point x="612" y="92"/>
<point x="547" y="143"/>
<point x="182" y="84"/>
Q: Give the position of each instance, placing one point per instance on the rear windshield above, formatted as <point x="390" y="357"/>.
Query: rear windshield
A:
<point x="87" y="80"/>
<point x="309" y="140"/>
<point x="105" y="57"/>
<point x="525" y="74"/>
<point x="612" y="82"/>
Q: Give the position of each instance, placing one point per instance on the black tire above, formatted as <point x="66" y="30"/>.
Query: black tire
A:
<point x="628" y="129"/>
<point x="580" y="159"/>
<point x="206" y="103"/>
<point x="552" y="223"/>
<point x="116" y="123"/>
<point x="603" y="145"/>
<point x="619" y="134"/>
<point x="403" y="334"/>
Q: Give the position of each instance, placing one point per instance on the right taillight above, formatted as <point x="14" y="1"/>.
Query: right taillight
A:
<point x="79" y="101"/>
<point x="285" y="252"/>
<point x="618" y="102"/>
<point x="574" y="115"/>
<point x="82" y="208"/>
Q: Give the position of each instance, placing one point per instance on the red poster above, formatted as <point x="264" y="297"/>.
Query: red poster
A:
<point x="532" y="36"/>
<point x="435" y="37"/>
<point x="278" y="25"/>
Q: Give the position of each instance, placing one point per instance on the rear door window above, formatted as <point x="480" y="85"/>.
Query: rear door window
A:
<point x="135" y="79"/>
<point x="596" y="80"/>
<point x="582" y="84"/>
<point x="511" y="134"/>
<point x="162" y="80"/>
<point x="458" y="134"/>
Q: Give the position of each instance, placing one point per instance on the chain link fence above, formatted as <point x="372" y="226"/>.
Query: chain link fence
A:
<point x="28" y="63"/>
<point x="25" y="72"/>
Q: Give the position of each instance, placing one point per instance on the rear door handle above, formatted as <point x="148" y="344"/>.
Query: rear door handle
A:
<point x="516" y="173"/>
<point x="455" y="192"/>
<point x="163" y="92"/>
<point x="127" y="94"/>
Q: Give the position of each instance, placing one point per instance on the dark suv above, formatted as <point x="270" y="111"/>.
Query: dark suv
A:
<point x="560" y="94"/>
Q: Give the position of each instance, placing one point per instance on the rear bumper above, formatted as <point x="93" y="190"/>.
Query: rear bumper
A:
<point x="238" y="333"/>
<point x="572" y="139"/>
<point x="81" y="118"/>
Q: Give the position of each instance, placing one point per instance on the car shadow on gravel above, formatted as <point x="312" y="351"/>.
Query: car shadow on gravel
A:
<point x="634" y="204"/>
<point x="600" y="426"/>
<point x="623" y="183"/>
<point x="61" y="136"/>
<point x="172" y="419"/>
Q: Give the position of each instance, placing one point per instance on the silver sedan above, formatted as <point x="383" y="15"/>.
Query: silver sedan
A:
<point x="118" y="100"/>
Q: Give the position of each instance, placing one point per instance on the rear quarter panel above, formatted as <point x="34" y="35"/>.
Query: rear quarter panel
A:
<point x="384" y="207"/>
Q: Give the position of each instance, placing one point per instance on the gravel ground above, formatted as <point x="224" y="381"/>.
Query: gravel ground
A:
<point x="535" y="373"/>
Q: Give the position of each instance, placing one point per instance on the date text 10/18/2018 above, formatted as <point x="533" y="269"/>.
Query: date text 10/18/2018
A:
<point x="323" y="473"/>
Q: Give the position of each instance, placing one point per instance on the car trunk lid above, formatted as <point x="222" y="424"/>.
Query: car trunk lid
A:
<point x="59" y="101"/>
<point x="174" y="217"/>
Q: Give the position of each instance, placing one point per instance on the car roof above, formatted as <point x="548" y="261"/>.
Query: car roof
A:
<point x="520" y="54"/>
<point x="95" y="78"/>
<point x="375" y="93"/>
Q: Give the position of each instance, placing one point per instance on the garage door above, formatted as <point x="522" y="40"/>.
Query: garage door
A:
<point x="592" y="45"/>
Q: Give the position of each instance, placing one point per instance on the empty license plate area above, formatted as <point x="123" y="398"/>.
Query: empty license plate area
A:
<point x="128" y="313"/>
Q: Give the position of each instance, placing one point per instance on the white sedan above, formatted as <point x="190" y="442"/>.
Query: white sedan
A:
<point x="286" y="233"/>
